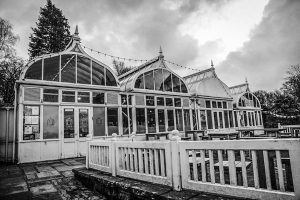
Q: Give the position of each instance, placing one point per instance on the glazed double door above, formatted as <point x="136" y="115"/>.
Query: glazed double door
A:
<point x="76" y="128"/>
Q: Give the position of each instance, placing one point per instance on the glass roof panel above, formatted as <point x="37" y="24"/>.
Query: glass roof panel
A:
<point x="98" y="77"/>
<point x="68" y="64"/>
<point x="110" y="79"/>
<point x="35" y="71"/>
<point x="83" y="70"/>
<point x="51" y="69"/>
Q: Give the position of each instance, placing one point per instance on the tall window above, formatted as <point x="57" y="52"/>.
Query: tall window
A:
<point x="140" y="120"/>
<point x="179" y="120"/>
<point x="203" y="120"/>
<point x="187" y="121"/>
<point x="170" y="115"/>
<point x="151" y="120"/>
<point x="161" y="120"/>
<point x="112" y="120"/>
<point x="216" y="120"/>
<point x="31" y="129"/>
<point x="209" y="119"/>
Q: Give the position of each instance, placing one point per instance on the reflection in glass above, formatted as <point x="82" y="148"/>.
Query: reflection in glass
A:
<point x="167" y="81"/>
<point x="98" y="77"/>
<point x="112" y="120"/>
<point x="68" y="64"/>
<point x="183" y="87"/>
<point x="99" y="121"/>
<point x="187" y="121"/>
<point x="176" y="83"/>
<point x="68" y="96"/>
<point x="51" y="69"/>
<point x="50" y="122"/>
<point x="149" y="81"/>
<point x="194" y="117"/>
<point x="161" y="120"/>
<point x="216" y="120"/>
<point x="110" y="79"/>
<point x="159" y="79"/>
<point x="50" y="95"/>
<point x="230" y="119"/>
<point x="177" y="102"/>
<point x="140" y="120"/>
<point x="169" y="102"/>
<point x="83" y="70"/>
<point x="226" y="119"/>
<point x="125" y="121"/>
<point x="179" y="121"/>
<point x="221" y="119"/>
<point x="170" y="114"/>
<point x="83" y="122"/>
<point x="69" y="131"/>
<point x="35" y="71"/>
<point x="139" y="83"/>
<point x="150" y="100"/>
<point x="160" y="101"/>
<point x="83" y="97"/>
<point x="203" y="119"/>
<point x="209" y="119"/>
<point x="98" y="98"/>
<point x="151" y="120"/>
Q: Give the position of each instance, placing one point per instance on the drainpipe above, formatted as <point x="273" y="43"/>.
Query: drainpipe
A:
<point x="6" y="134"/>
<point x="15" y="122"/>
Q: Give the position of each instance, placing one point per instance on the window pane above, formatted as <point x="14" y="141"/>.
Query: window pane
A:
<point x="224" y="104"/>
<point x="110" y="79"/>
<point x="139" y="83"/>
<point x="187" y="121"/>
<point x="31" y="129"/>
<point x="123" y="99"/>
<point x="160" y="101"/>
<point x="32" y="94"/>
<point x="161" y="120"/>
<point x="203" y="119"/>
<point x="209" y="120"/>
<point x="99" y="121"/>
<point x="83" y="97"/>
<point x="68" y="96"/>
<point x="68" y="64"/>
<point x="159" y="79"/>
<point x="226" y="119"/>
<point x="83" y="70"/>
<point x="98" y="74"/>
<point x="221" y="120"/>
<point x="140" y="120"/>
<point x="83" y="122"/>
<point x="194" y="117"/>
<point x="150" y="100"/>
<point x="51" y="69"/>
<point x="216" y="120"/>
<point x="167" y="81"/>
<point x="179" y="121"/>
<point x="69" y="129"/>
<point x="177" y="102"/>
<point x="130" y="120"/>
<point x="183" y="87"/>
<point x="214" y="104"/>
<point x="230" y="119"/>
<point x="176" y="83"/>
<point x="112" y="120"/>
<point x="50" y="122"/>
<point x="170" y="120"/>
<point x="125" y="121"/>
<point x="98" y="98"/>
<point x="50" y="95"/>
<point x="151" y="120"/>
<point x="149" y="80"/>
<point x="207" y="104"/>
<point x="169" y="101"/>
<point x="235" y="119"/>
<point x="219" y="104"/>
<point x="35" y="71"/>
<point x="245" y="118"/>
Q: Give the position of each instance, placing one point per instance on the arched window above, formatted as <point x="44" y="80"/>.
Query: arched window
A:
<point x="161" y="80"/>
<point x="71" y="68"/>
<point x="248" y="100"/>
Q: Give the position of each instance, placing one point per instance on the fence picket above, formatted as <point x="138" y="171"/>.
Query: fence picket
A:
<point x="162" y="162"/>
<point x="244" y="169"/>
<point x="232" y="169"/>
<point x="211" y="166"/>
<point x="255" y="169"/>
<point x="156" y="160"/>
<point x="280" y="171"/>
<point x="221" y="169"/>
<point x="203" y="165"/>
<point x="194" y="162"/>
<point x="267" y="169"/>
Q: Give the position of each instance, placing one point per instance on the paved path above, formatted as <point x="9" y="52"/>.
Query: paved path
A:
<point x="44" y="180"/>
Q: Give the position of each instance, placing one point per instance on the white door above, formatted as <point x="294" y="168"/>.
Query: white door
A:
<point x="76" y="126"/>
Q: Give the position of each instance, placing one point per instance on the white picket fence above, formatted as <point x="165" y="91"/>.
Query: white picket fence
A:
<point x="258" y="169"/>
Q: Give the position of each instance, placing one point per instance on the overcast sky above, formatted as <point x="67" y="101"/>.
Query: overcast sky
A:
<point x="253" y="39"/>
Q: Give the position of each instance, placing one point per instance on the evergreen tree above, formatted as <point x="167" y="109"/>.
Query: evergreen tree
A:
<point x="52" y="33"/>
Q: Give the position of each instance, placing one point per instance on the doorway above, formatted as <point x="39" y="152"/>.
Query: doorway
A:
<point x="76" y="127"/>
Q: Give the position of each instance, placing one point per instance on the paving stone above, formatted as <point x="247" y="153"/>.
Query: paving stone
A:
<point x="44" y="168"/>
<point x="12" y="185"/>
<point x="45" y="174"/>
<point x="184" y="194"/>
<point x="64" y="168"/>
<point x="31" y="176"/>
<point x="67" y="174"/>
<point x="29" y="169"/>
<point x="47" y="196"/>
<point x="42" y="189"/>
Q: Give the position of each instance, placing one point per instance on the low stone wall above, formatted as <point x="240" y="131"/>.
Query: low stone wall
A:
<point x="128" y="189"/>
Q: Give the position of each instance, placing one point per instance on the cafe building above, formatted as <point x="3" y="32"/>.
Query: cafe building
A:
<point x="65" y="99"/>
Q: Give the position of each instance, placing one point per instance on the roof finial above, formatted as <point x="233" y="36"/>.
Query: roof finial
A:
<point x="76" y="34"/>
<point x="76" y="30"/>
<point x="160" y="53"/>
<point x="211" y="63"/>
<point x="246" y="80"/>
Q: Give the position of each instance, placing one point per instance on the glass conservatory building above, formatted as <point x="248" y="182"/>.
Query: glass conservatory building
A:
<point x="67" y="98"/>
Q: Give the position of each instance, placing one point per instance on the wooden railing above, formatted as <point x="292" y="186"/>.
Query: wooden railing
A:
<point x="259" y="169"/>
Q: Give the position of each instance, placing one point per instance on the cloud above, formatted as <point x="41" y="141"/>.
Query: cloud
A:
<point x="274" y="45"/>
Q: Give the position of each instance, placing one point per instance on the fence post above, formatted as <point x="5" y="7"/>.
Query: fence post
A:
<point x="87" y="159"/>
<point x="113" y="154"/>
<point x="176" y="171"/>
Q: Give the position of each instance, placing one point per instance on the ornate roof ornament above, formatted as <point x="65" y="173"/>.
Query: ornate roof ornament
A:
<point x="161" y="56"/>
